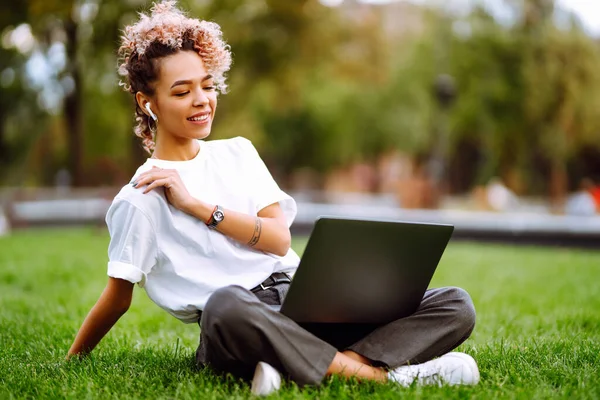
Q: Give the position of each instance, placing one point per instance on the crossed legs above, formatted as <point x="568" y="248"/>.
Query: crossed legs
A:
<point x="238" y="331"/>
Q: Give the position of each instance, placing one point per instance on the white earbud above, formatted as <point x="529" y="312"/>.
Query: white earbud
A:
<point x="154" y="117"/>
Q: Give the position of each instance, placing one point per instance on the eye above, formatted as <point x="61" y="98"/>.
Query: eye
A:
<point x="181" y="94"/>
<point x="209" y="88"/>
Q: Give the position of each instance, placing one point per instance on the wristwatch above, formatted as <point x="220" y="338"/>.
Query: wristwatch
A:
<point x="217" y="216"/>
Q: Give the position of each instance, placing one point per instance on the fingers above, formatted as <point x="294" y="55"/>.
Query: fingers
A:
<point x="152" y="175"/>
<point x="166" y="182"/>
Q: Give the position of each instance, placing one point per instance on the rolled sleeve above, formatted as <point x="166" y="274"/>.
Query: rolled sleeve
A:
<point x="265" y="191"/>
<point x="132" y="251"/>
<point x="127" y="272"/>
<point x="286" y="202"/>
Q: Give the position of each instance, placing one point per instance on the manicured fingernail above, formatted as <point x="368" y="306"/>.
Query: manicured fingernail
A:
<point x="134" y="183"/>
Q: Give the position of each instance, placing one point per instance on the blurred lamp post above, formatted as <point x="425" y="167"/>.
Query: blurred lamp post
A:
<point x="445" y="92"/>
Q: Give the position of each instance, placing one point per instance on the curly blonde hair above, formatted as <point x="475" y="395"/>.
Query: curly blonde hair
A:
<point x="166" y="31"/>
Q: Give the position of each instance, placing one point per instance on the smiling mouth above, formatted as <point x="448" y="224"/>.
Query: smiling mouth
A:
<point x="200" y="118"/>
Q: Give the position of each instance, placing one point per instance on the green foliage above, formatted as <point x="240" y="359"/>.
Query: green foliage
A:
<point x="20" y="122"/>
<point x="526" y="94"/>
<point x="537" y="333"/>
<point x="323" y="87"/>
<point x="487" y="66"/>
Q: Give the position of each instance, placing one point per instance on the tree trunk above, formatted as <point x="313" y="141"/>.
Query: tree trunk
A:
<point x="558" y="186"/>
<point x="4" y="155"/>
<point x="138" y="154"/>
<point x="73" y="107"/>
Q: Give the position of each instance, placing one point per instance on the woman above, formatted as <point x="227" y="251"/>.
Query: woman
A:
<point x="204" y="229"/>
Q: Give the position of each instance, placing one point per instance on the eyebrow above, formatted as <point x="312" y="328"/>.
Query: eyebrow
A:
<point x="189" y="82"/>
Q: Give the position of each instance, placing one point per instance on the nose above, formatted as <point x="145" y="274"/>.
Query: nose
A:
<point x="200" y="98"/>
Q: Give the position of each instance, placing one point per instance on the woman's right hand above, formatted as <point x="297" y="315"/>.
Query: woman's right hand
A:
<point x="175" y="189"/>
<point x="112" y="304"/>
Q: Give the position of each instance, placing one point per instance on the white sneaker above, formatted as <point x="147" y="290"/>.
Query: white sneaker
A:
<point x="450" y="369"/>
<point x="266" y="380"/>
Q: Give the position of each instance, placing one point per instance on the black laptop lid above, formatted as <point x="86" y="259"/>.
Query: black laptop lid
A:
<point x="364" y="271"/>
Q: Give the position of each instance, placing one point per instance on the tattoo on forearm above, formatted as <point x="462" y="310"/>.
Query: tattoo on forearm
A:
<point x="256" y="234"/>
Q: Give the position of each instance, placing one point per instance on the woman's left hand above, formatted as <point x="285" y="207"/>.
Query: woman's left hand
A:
<point x="175" y="190"/>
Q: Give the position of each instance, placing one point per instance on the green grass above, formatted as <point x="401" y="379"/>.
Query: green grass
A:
<point x="537" y="335"/>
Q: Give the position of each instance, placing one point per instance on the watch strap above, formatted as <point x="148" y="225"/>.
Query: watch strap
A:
<point x="212" y="214"/>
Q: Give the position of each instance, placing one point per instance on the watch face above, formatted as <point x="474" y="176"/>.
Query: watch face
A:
<point x="218" y="216"/>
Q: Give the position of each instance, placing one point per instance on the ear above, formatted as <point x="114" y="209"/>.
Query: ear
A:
<point x="141" y="100"/>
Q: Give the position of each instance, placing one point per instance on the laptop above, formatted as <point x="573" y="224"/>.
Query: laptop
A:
<point x="364" y="271"/>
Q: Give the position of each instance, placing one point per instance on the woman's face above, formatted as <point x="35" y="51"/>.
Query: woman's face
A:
<point x="185" y="98"/>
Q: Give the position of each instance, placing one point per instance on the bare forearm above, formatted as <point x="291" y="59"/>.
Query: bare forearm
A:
<point x="95" y="326"/>
<point x="112" y="304"/>
<point x="265" y="234"/>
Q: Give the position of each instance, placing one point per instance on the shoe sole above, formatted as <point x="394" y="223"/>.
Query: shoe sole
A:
<point x="472" y="365"/>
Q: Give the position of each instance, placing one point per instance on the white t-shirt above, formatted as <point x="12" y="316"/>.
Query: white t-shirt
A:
<point x="173" y="255"/>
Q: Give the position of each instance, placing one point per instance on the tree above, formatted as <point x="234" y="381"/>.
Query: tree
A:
<point x="562" y="99"/>
<point x="527" y="96"/>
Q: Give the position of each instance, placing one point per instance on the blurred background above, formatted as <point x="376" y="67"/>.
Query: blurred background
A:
<point x="488" y="106"/>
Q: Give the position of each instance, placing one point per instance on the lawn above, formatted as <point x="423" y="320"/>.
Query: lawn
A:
<point x="537" y="335"/>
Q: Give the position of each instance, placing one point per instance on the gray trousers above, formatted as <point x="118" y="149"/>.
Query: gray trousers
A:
<point x="240" y="328"/>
